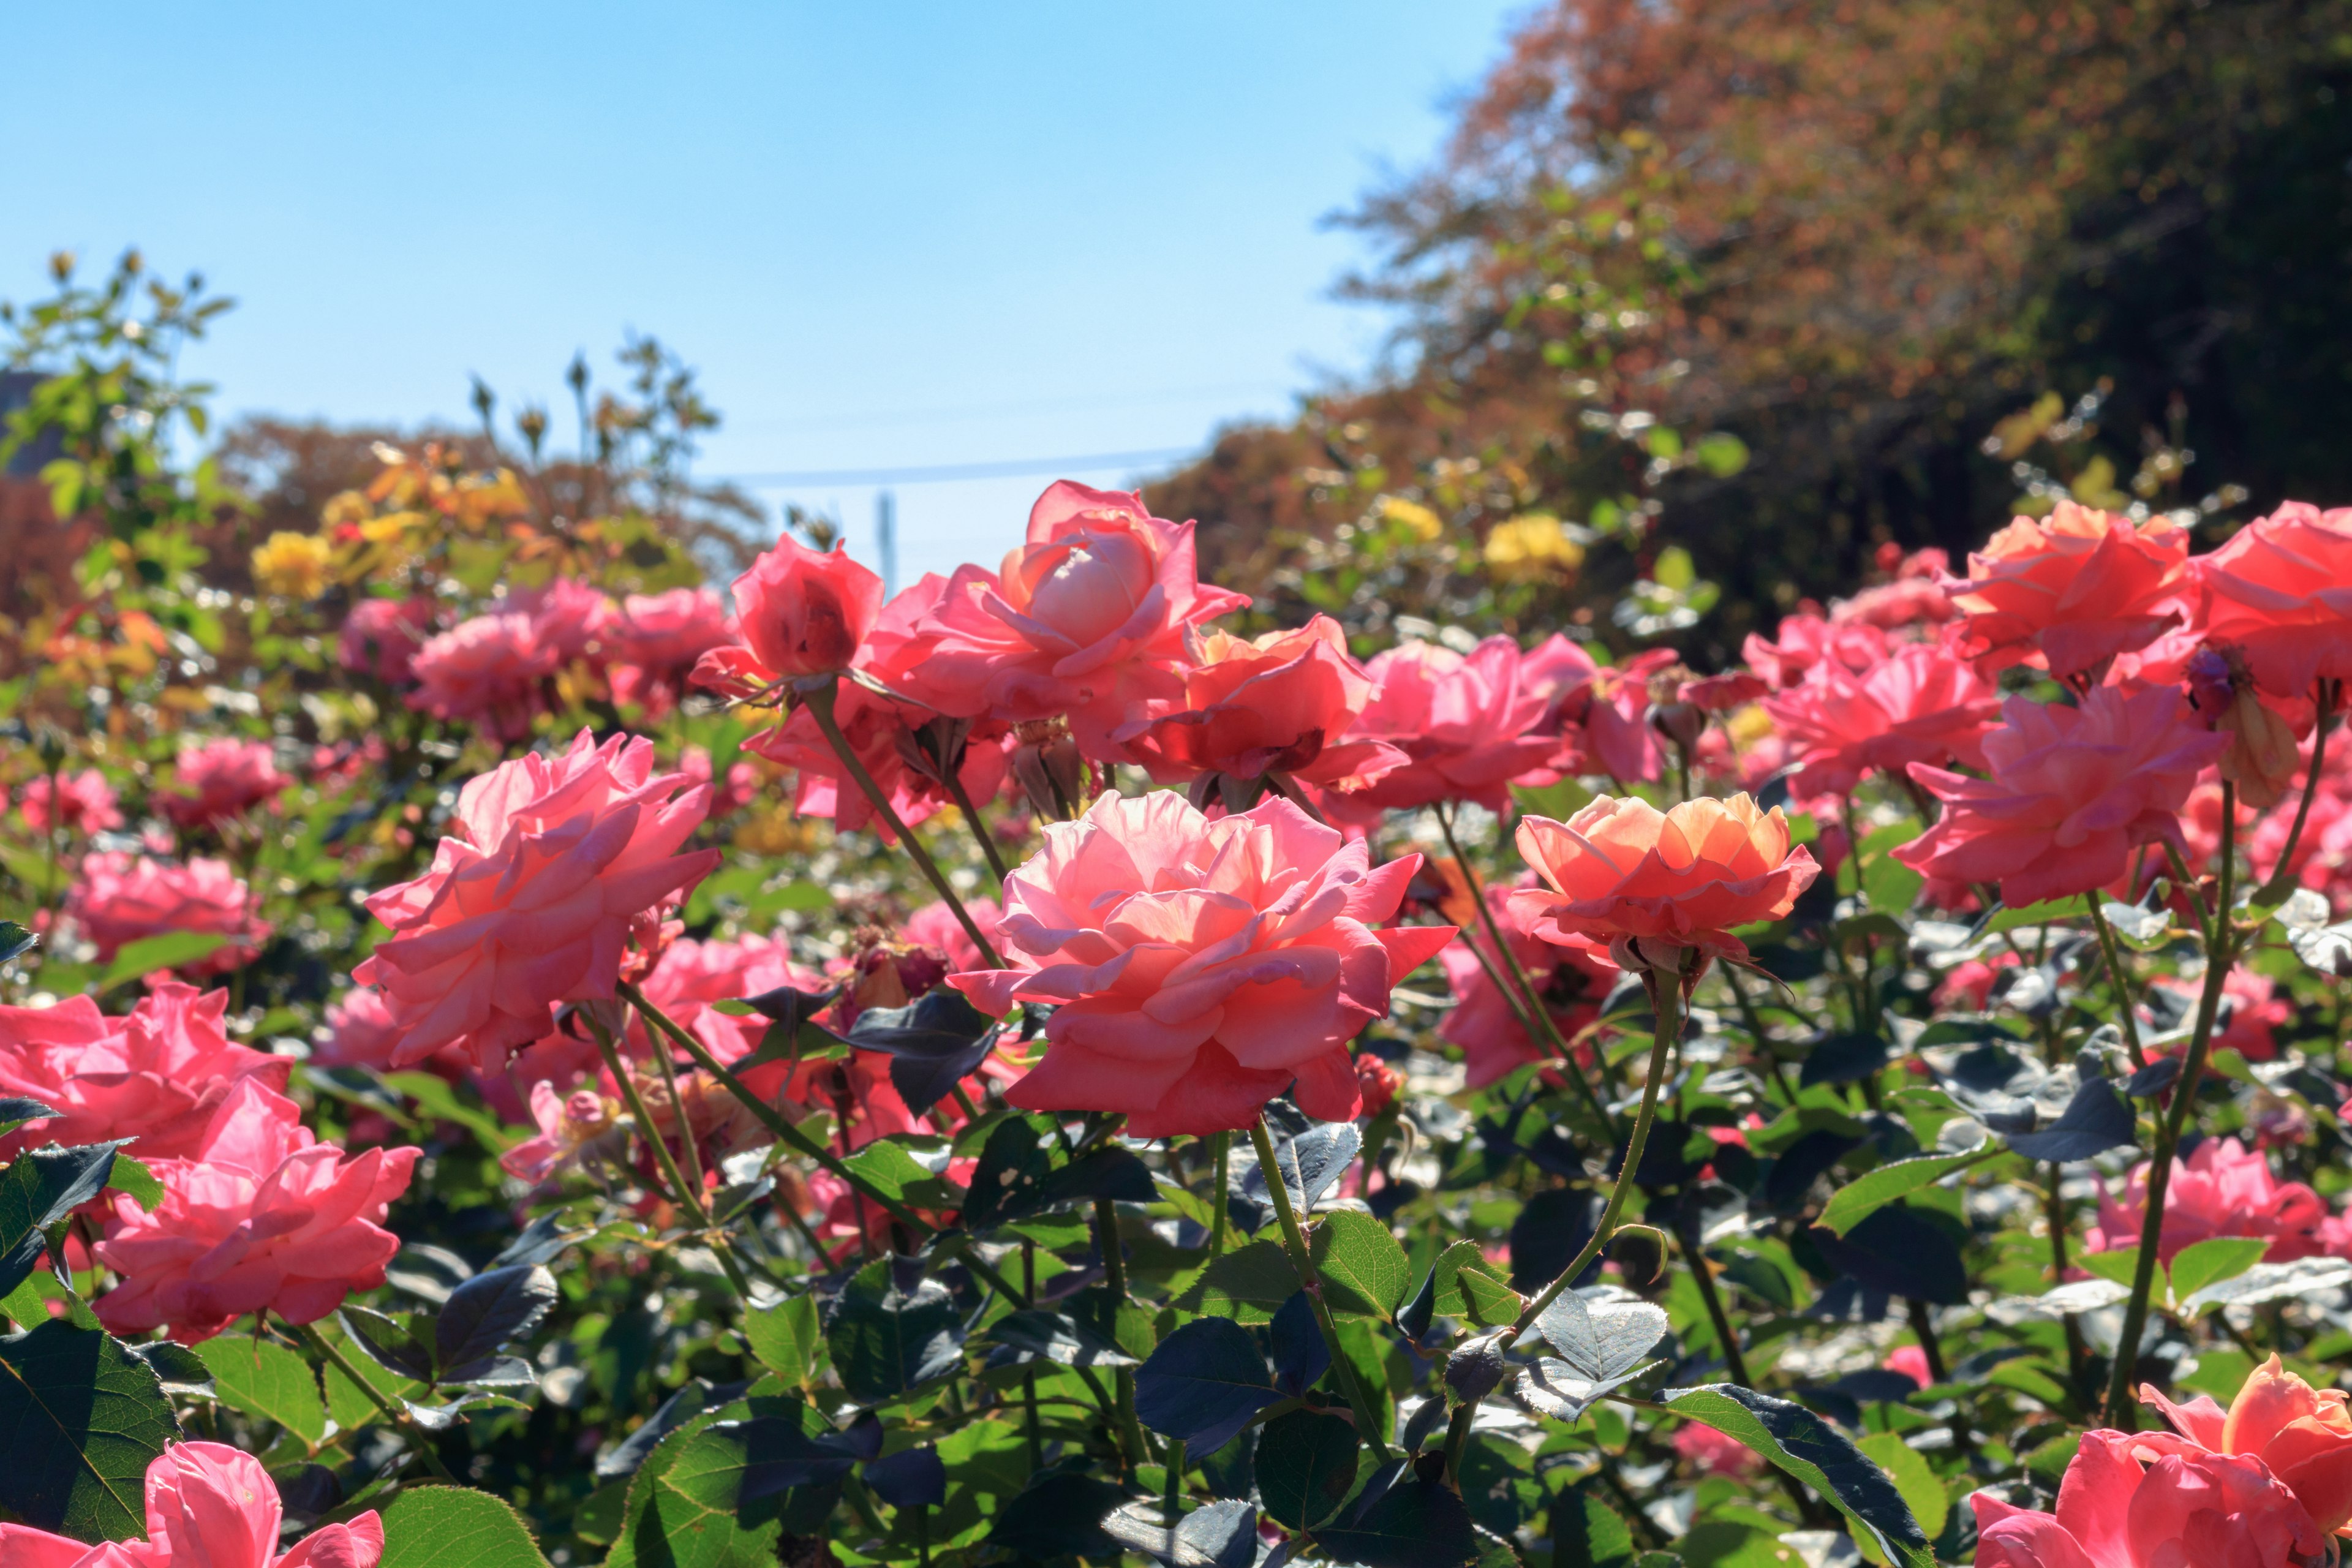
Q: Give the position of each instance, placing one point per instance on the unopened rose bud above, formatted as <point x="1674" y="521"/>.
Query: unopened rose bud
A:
<point x="1051" y="771"/>
<point x="1680" y="723"/>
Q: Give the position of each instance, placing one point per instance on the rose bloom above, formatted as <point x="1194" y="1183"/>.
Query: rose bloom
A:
<point x="1467" y="725"/>
<point x="1714" y="1453"/>
<point x="2252" y="1007"/>
<point x="260" y="1216"/>
<point x="1911" y="1361"/>
<point x="2074" y="791"/>
<point x="119" y="899"/>
<point x="1913" y="597"/>
<point x="2127" y="1503"/>
<point x="85" y="802"/>
<point x="152" y="1076"/>
<point x="1094" y="617"/>
<point x="489" y="672"/>
<point x="935" y="925"/>
<point x="656" y="640"/>
<point x="726" y="796"/>
<point x="1648" y="883"/>
<point x="1198" y="966"/>
<point x="1571" y="981"/>
<point x="881" y="732"/>
<point x="381" y="637"/>
<point x="1283" y="704"/>
<point x="2282" y="590"/>
<point x="2301" y="1434"/>
<point x="1966" y="987"/>
<point x="2069" y="591"/>
<point x="1919" y="704"/>
<point x="217" y="780"/>
<point x="531" y="895"/>
<point x="208" y="1506"/>
<point x="1805" y="640"/>
<point x="1601" y="713"/>
<point x="569" y="1125"/>
<point x="573" y="618"/>
<point x="2223" y="1188"/>
<point x="799" y="612"/>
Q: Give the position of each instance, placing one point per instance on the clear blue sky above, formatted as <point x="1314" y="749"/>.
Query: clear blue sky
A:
<point x="886" y="236"/>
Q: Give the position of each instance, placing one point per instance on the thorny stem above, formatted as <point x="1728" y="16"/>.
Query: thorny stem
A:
<point x="324" y="1349"/>
<point x="2117" y="978"/>
<point x="1302" y="1258"/>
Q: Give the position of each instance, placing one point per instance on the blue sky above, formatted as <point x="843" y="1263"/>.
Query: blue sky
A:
<point x="886" y="236"/>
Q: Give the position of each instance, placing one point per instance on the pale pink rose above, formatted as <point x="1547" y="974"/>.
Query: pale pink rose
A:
<point x="531" y="896"/>
<point x="2070" y="591"/>
<point x="1805" y="640"/>
<point x="1572" y="982"/>
<point x="491" y="672"/>
<point x="1714" y="1453"/>
<point x="1198" y="967"/>
<point x="657" y="639"/>
<point x="2302" y="1435"/>
<point x="2223" y="1188"/>
<point x="2074" y="791"/>
<point x="2282" y="590"/>
<point x="217" y="780"/>
<point x="799" y="612"/>
<point x="935" y="925"/>
<point x="380" y="637"/>
<point x="260" y="1216"/>
<point x="1919" y="704"/>
<point x="208" y="1506"/>
<point x="118" y="899"/>
<point x="2122" y="1506"/>
<point x="85" y="802"/>
<point x="152" y="1076"/>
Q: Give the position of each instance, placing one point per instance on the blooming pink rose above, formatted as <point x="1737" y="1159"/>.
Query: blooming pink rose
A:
<point x="571" y="618"/>
<point x="154" y="1077"/>
<point x="1467" y="723"/>
<point x="380" y="637"/>
<point x="1919" y="704"/>
<point x="261" y="1216"/>
<point x="531" y="895"/>
<point x="118" y="899"/>
<point x="799" y="612"/>
<point x="489" y="672"/>
<point x="726" y="796"/>
<point x="935" y="925"/>
<point x="568" y="1125"/>
<point x="1714" y="1453"/>
<point x="1968" y="986"/>
<point x="2074" y="791"/>
<point x="1913" y="596"/>
<point x="1805" y="640"/>
<point x="1198" y="966"/>
<point x="208" y="1506"/>
<point x="1283" y="704"/>
<point x="1599" y="711"/>
<point x="1572" y="981"/>
<point x="85" y="802"/>
<point x="2254" y="1009"/>
<point x="2301" y="1434"/>
<point x="2069" y="591"/>
<point x="2223" y="1188"/>
<point x="2125" y="1503"/>
<point x="658" y="637"/>
<point x="1648" y="883"/>
<point x="2282" y="590"/>
<point x="1734" y="689"/>
<point x="1093" y="617"/>
<point x="217" y="780"/>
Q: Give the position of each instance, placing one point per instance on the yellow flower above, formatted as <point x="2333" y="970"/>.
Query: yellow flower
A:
<point x="1532" y="544"/>
<point x="1749" y="725"/>
<point x="1418" y="520"/>
<point x="292" y="565"/>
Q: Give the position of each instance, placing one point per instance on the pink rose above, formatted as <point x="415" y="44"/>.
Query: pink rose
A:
<point x="658" y="639"/>
<point x="2223" y="1188"/>
<point x="117" y="900"/>
<point x="1198" y="967"/>
<point x="2251" y="1006"/>
<point x="1572" y="981"/>
<point x="2302" y="1435"/>
<point x="1712" y="1453"/>
<point x="728" y="796"/>
<point x="215" y="780"/>
<point x="531" y="895"/>
<point x="694" y="975"/>
<point x="2282" y="590"/>
<point x="799" y="612"/>
<point x="1913" y="597"/>
<point x="1805" y="640"/>
<point x="1911" y="1361"/>
<point x="935" y="925"/>
<point x="568" y="1125"/>
<point x="881" y="732"/>
<point x="1468" y="725"/>
<point x="261" y="1216"/>
<point x="380" y="637"/>
<point x="154" y="1077"/>
<point x="208" y="1506"/>
<point x="85" y="802"/>
<point x="2125" y="1503"/>
<point x="571" y="618"/>
<point x="1919" y="704"/>
<point x="2069" y="591"/>
<point x="489" y="672"/>
<point x="1599" y="711"/>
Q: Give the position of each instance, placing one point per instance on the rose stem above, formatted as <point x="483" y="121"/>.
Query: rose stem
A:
<point x="981" y="836"/>
<point x="2055" y="1208"/>
<point x="325" y="1351"/>
<point x="1734" y="1361"/>
<point x="1131" y="1437"/>
<point x="2117" y="978"/>
<point x="1222" y="1144"/>
<point x="2281" y="878"/>
<point x="688" y="1198"/>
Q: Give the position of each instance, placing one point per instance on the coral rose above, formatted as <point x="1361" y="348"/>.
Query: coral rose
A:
<point x="2223" y="1188"/>
<point x="2069" y="591"/>
<point x="85" y="802"/>
<point x="1571" y="981"/>
<point x="1281" y="705"/>
<point x="2125" y="1503"/>
<point x="799" y="612"/>
<point x="381" y="637"/>
<point x="2301" y="1434"/>
<point x="1805" y="640"/>
<point x="119" y="899"/>
<point x="2282" y="590"/>
<point x="491" y="672"/>
<point x="1651" y="884"/>
<point x="530" y="897"/>
<point x="1919" y="704"/>
<point x="2074" y="791"/>
<point x="656" y="639"/>
<point x="154" y="1077"/>
<point x="1198" y="967"/>
<point x="208" y="1506"/>
<point x="1467" y="725"/>
<point x="217" y="780"/>
<point x="260" y="1216"/>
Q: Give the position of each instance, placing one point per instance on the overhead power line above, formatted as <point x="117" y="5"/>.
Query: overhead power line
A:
<point x="940" y="473"/>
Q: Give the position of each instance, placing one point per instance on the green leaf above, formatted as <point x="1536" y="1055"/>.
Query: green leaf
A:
<point x="264" y="1378"/>
<point x="1247" y="1284"/>
<point x="785" y="1337"/>
<point x="1851" y="1204"/>
<point x="1720" y="453"/>
<point x="1675" y="569"/>
<point x="1913" y="1476"/>
<point x="1468" y="1285"/>
<point x="889" y="1166"/>
<point x="15" y="941"/>
<point x="131" y="1176"/>
<point x="83" y="1417"/>
<point x="350" y="1407"/>
<point x="2204" y="1263"/>
<point x="438" y="1100"/>
<point x="1365" y="1273"/>
<point x="1306" y="1462"/>
<point x="39" y="1189"/>
<point x="1587" y="1533"/>
<point x="1806" y="1447"/>
<point x="1413" y="1524"/>
<point x="885" y="1342"/>
<point x="455" y="1527"/>
<point x="137" y="960"/>
<point x="2050" y="911"/>
<point x="2117" y="1264"/>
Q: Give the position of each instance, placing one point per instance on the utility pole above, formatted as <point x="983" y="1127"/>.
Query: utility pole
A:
<point x="885" y="532"/>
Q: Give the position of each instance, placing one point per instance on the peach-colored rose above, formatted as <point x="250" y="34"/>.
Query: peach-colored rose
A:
<point x="2074" y="791"/>
<point x="208" y="1506"/>
<point x="2282" y="590"/>
<point x="85" y="802"/>
<point x="119" y="899"/>
<point x="1199" y="966"/>
<point x="530" y="897"/>
<point x="2069" y="591"/>
<point x="1921" y="704"/>
<point x="2301" y="1434"/>
<point x="656" y="639"/>
<point x="219" y="779"/>
<point x="800" y="612"/>
<point x="260" y="1215"/>
<point x="2125" y="1503"/>
<point x="1651" y="884"/>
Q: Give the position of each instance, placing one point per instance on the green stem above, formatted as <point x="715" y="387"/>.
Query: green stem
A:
<point x="1130" y="1430"/>
<point x="1222" y="1144"/>
<point x="1175" y="1509"/>
<point x="690" y="1201"/>
<point x="2117" y="978"/>
<point x="2282" y="879"/>
<point x="1735" y="1361"/>
<point x="979" y="834"/>
<point x="324" y="1349"/>
<point x="1302" y="1258"/>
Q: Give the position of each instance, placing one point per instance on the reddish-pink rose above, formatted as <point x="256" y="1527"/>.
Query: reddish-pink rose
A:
<point x="119" y="899"/>
<point x="154" y="1077"/>
<point x="799" y="612"/>
<point x="491" y="672"/>
<point x="2069" y="591"/>
<point x="1650" y="884"/>
<point x="531" y="895"/>
<point x="935" y="925"/>
<point x="382" y="636"/>
<point x="1572" y="981"/>
<point x="2224" y="1188"/>
<point x="261" y="1216"/>
<point x="208" y="1506"/>
<point x="2072" y="792"/>
<point x="1467" y="723"/>
<point x="1919" y="704"/>
<point x="1283" y="704"/>
<point x="2125" y="1503"/>
<point x="2282" y="590"/>
<point x="85" y="802"/>
<point x="2301" y="1434"/>
<point x="1601" y="713"/>
<point x="881" y="732"/>
<point x="217" y="780"/>
<point x="1805" y="640"/>
<point x="1199" y="966"/>
<point x="656" y="639"/>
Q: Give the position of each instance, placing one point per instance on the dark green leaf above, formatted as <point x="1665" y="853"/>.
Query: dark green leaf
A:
<point x="1203" y="1383"/>
<point x="1247" y="1284"/>
<point x="884" y="1342"/>
<point x="488" y="1311"/>
<point x="2095" y="1121"/>
<point x="1306" y="1463"/>
<point x="82" y="1416"/>
<point x="1806" y="1447"/>
<point x="15" y="1111"/>
<point x="37" y="1190"/>
<point x="1058" y="1515"/>
<point x="1413" y="1524"/>
<point x="1587" y="1533"/>
<point x="15" y="941"/>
